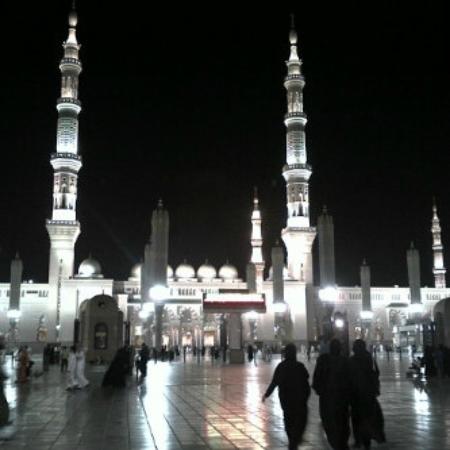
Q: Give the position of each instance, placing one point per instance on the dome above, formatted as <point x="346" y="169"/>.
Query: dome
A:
<point x="90" y="268"/>
<point x="185" y="270"/>
<point x="228" y="272"/>
<point x="285" y="273"/>
<point x="206" y="272"/>
<point x="136" y="271"/>
<point x="169" y="272"/>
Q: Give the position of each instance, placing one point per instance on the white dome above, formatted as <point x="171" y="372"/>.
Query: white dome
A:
<point x="185" y="270"/>
<point x="206" y="272"/>
<point x="136" y="271"/>
<point x="90" y="268"/>
<point x="285" y="273"/>
<point x="169" y="272"/>
<point x="228" y="272"/>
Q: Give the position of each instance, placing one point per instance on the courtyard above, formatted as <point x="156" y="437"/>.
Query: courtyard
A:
<point x="204" y="405"/>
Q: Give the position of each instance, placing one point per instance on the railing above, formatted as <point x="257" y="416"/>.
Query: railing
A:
<point x="74" y="101"/>
<point x="65" y="156"/>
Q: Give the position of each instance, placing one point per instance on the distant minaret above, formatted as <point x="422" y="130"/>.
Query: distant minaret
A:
<point x="256" y="241"/>
<point x="154" y="270"/>
<point x="413" y="262"/>
<point x="438" y="251"/>
<point x="325" y="231"/>
<point x="63" y="228"/>
<point x="298" y="235"/>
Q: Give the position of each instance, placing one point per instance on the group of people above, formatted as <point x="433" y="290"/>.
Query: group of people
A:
<point x="347" y="388"/>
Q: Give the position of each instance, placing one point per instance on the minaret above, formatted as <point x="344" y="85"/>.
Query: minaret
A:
<point x="63" y="228"/>
<point x="438" y="251"/>
<point x="413" y="263"/>
<point x="298" y="235"/>
<point x="325" y="232"/>
<point x="256" y="241"/>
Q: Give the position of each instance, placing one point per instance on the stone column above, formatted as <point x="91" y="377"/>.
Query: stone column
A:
<point x="251" y="277"/>
<point x="235" y="330"/>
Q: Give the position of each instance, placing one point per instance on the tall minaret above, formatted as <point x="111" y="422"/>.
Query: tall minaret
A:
<point x="438" y="251"/>
<point x="298" y="235"/>
<point x="63" y="228"/>
<point x="256" y="241"/>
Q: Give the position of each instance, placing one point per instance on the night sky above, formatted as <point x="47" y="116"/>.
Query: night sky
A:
<point x="187" y="104"/>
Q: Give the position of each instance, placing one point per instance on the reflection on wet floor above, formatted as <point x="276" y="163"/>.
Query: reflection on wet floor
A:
<point x="206" y="405"/>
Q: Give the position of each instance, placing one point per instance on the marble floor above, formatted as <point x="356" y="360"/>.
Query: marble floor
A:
<point x="204" y="405"/>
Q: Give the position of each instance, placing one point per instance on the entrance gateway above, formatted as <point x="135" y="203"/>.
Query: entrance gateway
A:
<point x="234" y="303"/>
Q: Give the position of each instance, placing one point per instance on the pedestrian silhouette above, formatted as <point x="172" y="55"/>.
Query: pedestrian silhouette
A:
<point x="331" y="383"/>
<point x="367" y="417"/>
<point x="291" y="378"/>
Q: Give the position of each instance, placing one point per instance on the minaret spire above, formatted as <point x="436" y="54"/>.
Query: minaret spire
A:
<point x="63" y="227"/>
<point x="256" y="241"/>
<point x="438" y="250"/>
<point x="298" y="236"/>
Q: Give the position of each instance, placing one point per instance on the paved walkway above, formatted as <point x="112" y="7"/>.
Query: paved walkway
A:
<point x="204" y="406"/>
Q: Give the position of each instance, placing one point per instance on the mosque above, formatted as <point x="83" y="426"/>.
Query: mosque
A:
<point x="165" y="305"/>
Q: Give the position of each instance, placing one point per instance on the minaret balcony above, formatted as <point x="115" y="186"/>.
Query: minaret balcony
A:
<point x="75" y="101"/>
<point x="68" y="103"/>
<point x="70" y="62"/>
<point x="299" y="115"/>
<point x="66" y="161"/>
<point x="65" y="156"/>
<point x="294" y="76"/>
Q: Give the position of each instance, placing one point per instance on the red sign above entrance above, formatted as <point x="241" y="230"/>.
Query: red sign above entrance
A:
<point x="234" y="302"/>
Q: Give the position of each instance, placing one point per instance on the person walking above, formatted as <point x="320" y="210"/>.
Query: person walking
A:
<point x="291" y="378"/>
<point x="331" y="383"/>
<point x="144" y="356"/>
<point x="117" y="371"/>
<point x="4" y="406"/>
<point x="72" y="382"/>
<point x="64" y="359"/>
<point x="81" y="363"/>
<point x="249" y="352"/>
<point x="367" y="417"/>
<point x="24" y="362"/>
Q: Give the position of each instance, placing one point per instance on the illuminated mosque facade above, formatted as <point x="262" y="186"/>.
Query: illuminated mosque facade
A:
<point x="295" y="308"/>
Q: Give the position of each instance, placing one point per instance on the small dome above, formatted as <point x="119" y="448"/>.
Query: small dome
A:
<point x="169" y="272"/>
<point x="90" y="268"/>
<point x="206" y="272"/>
<point x="228" y="272"/>
<point x="185" y="270"/>
<point x="136" y="271"/>
<point x="285" y="273"/>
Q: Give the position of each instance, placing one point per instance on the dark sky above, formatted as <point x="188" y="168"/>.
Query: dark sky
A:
<point x="188" y="104"/>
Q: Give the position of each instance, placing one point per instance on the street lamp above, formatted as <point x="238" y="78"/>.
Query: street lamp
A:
<point x="339" y="323"/>
<point x="158" y="293"/>
<point x="279" y="307"/>
<point x="328" y="294"/>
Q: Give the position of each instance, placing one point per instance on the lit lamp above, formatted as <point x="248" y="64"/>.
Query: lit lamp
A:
<point x="366" y="315"/>
<point x="339" y="323"/>
<point x="158" y="293"/>
<point x="328" y="294"/>
<point x="13" y="315"/>
<point x="279" y="307"/>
